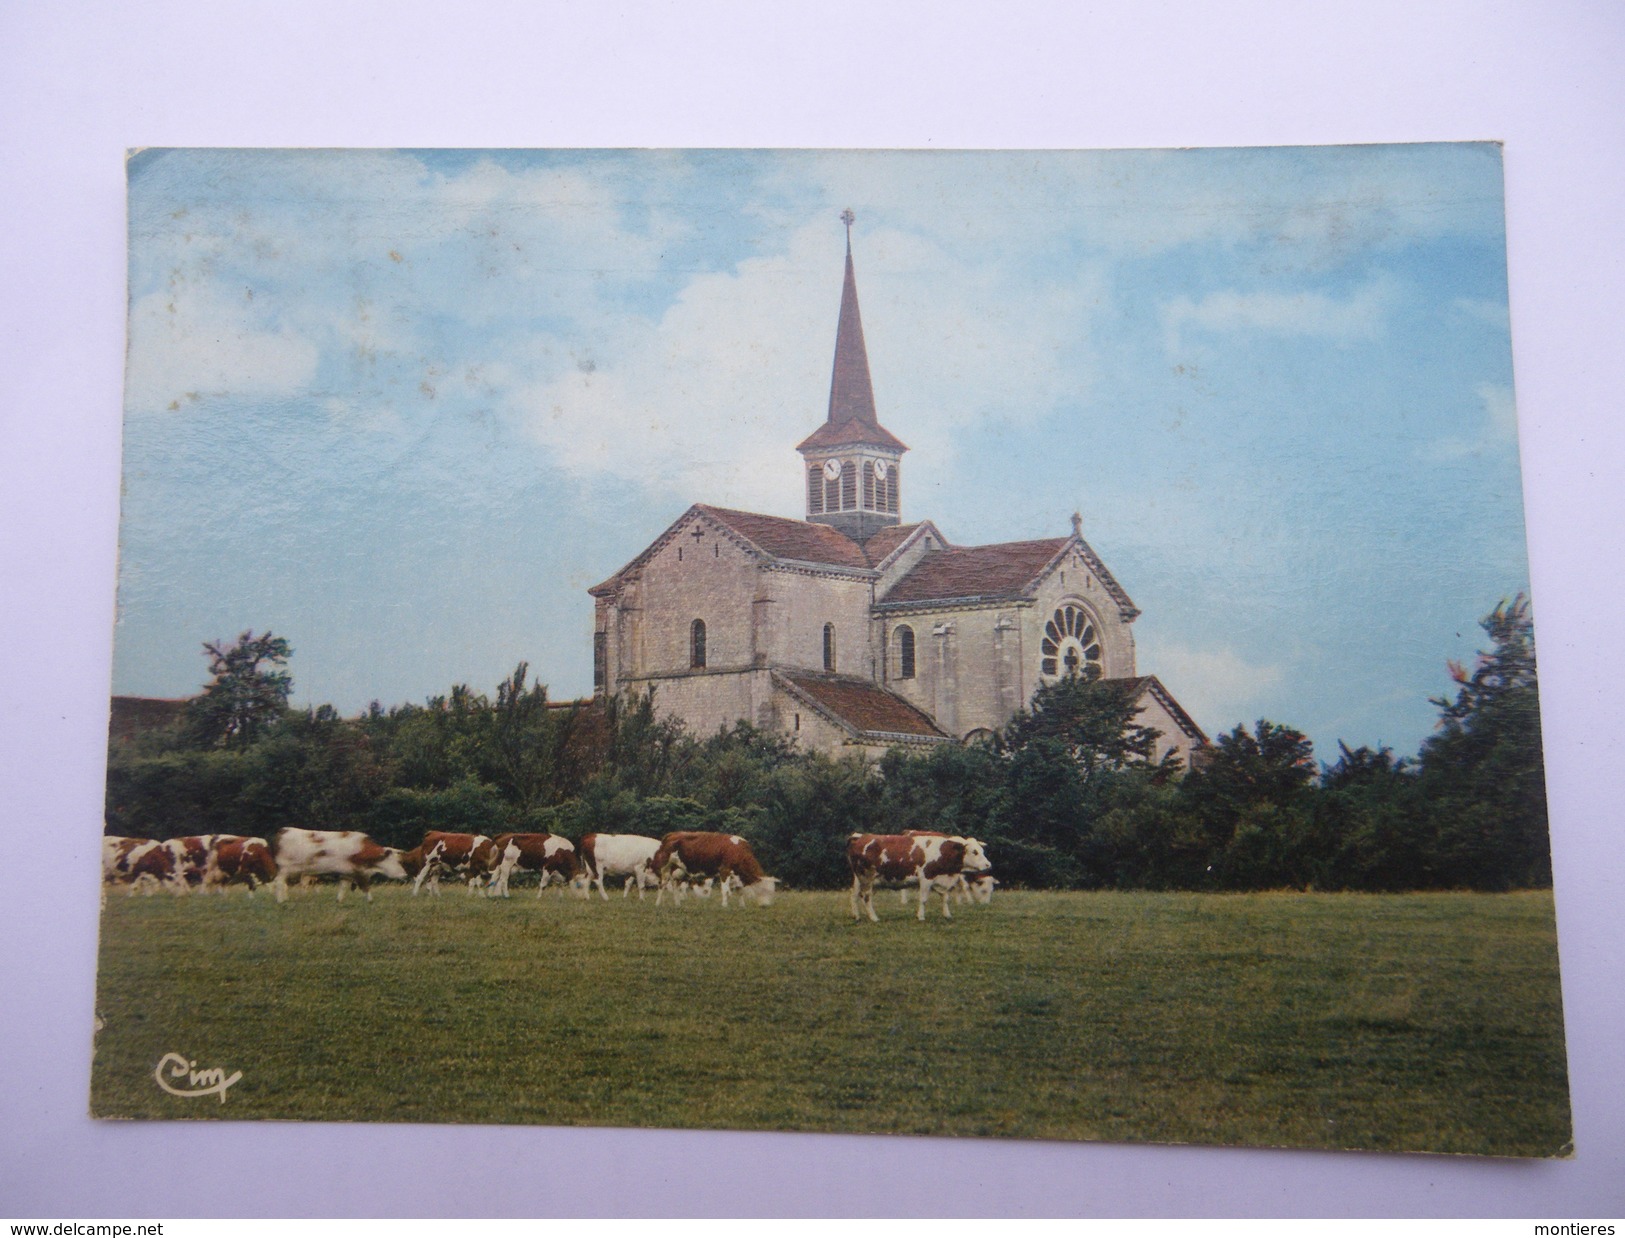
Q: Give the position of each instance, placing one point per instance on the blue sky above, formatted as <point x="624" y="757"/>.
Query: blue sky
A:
<point x="402" y="408"/>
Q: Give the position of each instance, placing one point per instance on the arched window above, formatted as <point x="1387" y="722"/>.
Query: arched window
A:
<point x="849" y="485"/>
<point x="1071" y="644"/>
<point x="903" y="644"/>
<point x="829" y="646"/>
<point x="815" y="490"/>
<point x="696" y="644"/>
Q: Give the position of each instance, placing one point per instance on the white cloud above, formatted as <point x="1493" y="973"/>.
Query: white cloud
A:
<point x="1490" y="313"/>
<point x="188" y="343"/>
<point x="1308" y="314"/>
<point x="1217" y="686"/>
<point x="1499" y="408"/>
<point x="703" y="399"/>
<point x="1498" y="430"/>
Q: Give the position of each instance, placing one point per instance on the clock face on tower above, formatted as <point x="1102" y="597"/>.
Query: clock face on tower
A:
<point x="832" y="469"/>
<point x="880" y="470"/>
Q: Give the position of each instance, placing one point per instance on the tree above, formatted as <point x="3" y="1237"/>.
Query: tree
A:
<point x="1482" y="772"/>
<point x="529" y="742"/>
<point x="1094" y="719"/>
<point x="1251" y="798"/>
<point x="248" y="692"/>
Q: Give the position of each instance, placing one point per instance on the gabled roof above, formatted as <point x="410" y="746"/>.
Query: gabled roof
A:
<point x="1003" y="571"/>
<point x="772" y="537"/>
<point x="859" y="706"/>
<point x="881" y="546"/>
<point x="960" y="572"/>
<point x="791" y="539"/>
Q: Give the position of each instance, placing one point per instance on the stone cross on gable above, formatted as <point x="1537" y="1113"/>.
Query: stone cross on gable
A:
<point x="697" y="534"/>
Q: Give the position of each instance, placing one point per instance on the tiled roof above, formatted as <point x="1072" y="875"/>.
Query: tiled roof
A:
<point x="862" y="706"/>
<point x="886" y="541"/>
<point x="792" y="539"/>
<point x="776" y="536"/>
<point x="131" y="715"/>
<point x="853" y="432"/>
<point x="1001" y="570"/>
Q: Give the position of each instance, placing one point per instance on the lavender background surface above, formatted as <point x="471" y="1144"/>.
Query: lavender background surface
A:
<point x="81" y="82"/>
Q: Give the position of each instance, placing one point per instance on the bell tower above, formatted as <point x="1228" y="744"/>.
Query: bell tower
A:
<point x="853" y="479"/>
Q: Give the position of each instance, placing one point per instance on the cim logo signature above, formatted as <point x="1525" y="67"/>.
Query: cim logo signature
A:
<point x="213" y="1081"/>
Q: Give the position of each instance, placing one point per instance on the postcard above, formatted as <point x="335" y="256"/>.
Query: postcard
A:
<point x="1008" y="644"/>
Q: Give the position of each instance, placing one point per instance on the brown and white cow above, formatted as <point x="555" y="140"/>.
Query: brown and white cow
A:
<point x="246" y="861"/>
<point x="151" y="865"/>
<point x="116" y="858"/>
<point x="471" y="856"/>
<point x="979" y="886"/>
<point x="547" y="855"/>
<point x="935" y="861"/>
<point x="619" y="855"/>
<point x="349" y="855"/>
<point x="697" y="854"/>
<point x="191" y="852"/>
<point x="972" y="885"/>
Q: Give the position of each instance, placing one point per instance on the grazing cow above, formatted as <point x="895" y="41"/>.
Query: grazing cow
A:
<point x="349" y="855"/>
<point x="240" y="860"/>
<point x="547" y="855"/>
<point x="191" y="852"/>
<point x="972" y="886"/>
<point x="473" y="856"/>
<point x="703" y="888"/>
<point x="619" y="855"/>
<point x="979" y="886"/>
<point x="699" y="854"/>
<point x="151" y="865"/>
<point x="936" y="861"/>
<point x="116" y="858"/>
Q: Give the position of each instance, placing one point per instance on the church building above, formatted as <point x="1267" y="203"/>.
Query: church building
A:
<point x="851" y="630"/>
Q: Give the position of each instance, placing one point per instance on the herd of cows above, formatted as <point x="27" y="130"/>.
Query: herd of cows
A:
<point x="689" y="861"/>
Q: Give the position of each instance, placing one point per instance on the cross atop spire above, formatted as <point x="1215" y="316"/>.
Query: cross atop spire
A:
<point x="848" y="218"/>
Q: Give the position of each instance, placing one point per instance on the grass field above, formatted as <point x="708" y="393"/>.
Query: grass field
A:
<point x="1427" y="1022"/>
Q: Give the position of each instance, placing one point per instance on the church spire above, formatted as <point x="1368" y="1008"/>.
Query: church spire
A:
<point x="852" y="419"/>
<point x="852" y="460"/>
<point x="851" y="395"/>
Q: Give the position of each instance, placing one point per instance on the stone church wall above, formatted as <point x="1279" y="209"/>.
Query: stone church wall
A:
<point x="708" y="578"/>
<point x="967" y="666"/>
<point x="712" y="700"/>
<point x="1073" y="581"/>
<point x="801" y="605"/>
<point x="1172" y="739"/>
<point x="974" y="668"/>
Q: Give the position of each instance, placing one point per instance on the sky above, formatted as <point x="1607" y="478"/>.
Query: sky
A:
<point x="403" y="407"/>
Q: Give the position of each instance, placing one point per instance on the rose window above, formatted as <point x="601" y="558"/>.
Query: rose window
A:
<point x="1071" y="645"/>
